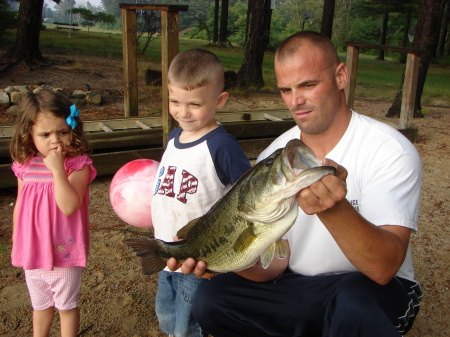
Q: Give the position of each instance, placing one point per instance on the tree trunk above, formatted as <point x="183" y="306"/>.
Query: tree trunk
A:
<point x="426" y="37"/>
<point x="247" y="22"/>
<point x="28" y="31"/>
<point x="223" y="31"/>
<point x="407" y="28"/>
<point x="444" y="28"/>
<point x="250" y="73"/>
<point x="328" y="18"/>
<point x="383" y="36"/>
<point x="216" y="21"/>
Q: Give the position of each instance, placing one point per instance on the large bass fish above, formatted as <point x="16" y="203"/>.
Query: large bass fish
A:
<point x="248" y="222"/>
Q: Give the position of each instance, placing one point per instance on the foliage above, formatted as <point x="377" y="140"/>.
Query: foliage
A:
<point x="90" y="18"/>
<point x="148" y="25"/>
<point x="9" y="18"/>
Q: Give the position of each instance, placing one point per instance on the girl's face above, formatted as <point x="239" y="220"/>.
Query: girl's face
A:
<point x="49" y="132"/>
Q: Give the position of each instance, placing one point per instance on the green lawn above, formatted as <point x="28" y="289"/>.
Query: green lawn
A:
<point x="375" y="80"/>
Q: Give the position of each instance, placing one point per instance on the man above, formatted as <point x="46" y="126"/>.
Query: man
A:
<point x="349" y="272"/>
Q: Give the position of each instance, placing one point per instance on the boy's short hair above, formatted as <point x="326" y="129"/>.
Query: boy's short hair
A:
<point x="195" y="68"/>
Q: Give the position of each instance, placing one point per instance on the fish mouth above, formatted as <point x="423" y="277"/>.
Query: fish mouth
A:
<point x="297" y="158"/>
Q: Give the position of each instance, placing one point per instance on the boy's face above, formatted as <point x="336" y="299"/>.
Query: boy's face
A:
<point x="195" y="109"/>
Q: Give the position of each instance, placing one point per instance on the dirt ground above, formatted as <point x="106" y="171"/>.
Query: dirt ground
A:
<point x="118" y="300"/>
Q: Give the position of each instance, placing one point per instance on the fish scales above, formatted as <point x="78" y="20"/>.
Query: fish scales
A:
<point x="248" y="222"/>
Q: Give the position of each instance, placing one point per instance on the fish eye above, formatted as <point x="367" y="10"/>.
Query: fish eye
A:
<point x="269" y="162"/>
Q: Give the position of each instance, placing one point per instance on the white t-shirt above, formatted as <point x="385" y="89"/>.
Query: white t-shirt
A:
<point x="384" y="183"/>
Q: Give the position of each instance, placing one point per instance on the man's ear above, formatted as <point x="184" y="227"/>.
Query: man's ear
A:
<point x="341" y="75"/>
<point x="222" y="100"/>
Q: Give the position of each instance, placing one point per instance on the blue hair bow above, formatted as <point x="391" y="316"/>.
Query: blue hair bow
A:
<point x="71" y="118"/>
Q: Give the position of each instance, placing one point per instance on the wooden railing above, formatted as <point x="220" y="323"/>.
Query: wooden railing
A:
<point x="409" y="85"/>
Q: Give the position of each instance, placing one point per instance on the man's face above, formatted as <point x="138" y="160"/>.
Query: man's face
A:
<point x="310" y="87"/>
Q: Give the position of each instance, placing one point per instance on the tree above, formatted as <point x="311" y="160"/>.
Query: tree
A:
<point x="223" y="31"/>
<point x="9" y="18"/>
<point x="148" y="25"/>
<point x="327" y="17"/>
<point x="216" y="22"/>
<point x="426" y="37"/>
<point x="382" y="8"/>
<point x="444" y="28"/>
<point x="90" y="18"/>
<point x="28" y="32"/>
<point x="384" y="26"/>
<point x="250" y="73"/>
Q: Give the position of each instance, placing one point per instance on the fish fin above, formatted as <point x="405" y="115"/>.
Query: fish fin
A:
<point x="244" y="240"/>
<point x="183" y="233"/>
<point x="280" y="250"/>
<point x="147" y="249"/>
<point x="268" y="255"/>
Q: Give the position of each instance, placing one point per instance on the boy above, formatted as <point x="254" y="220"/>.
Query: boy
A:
<point x="199" y="165"/>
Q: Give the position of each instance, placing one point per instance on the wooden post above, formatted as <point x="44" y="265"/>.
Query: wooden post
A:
<point x="169" y="49"/>
<point x="409" y="91"/>
<point x="130" y="69"/>
<point x="352" y="67"/>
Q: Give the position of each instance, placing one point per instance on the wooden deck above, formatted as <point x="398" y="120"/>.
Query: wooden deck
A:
<point x="115" y="142"/>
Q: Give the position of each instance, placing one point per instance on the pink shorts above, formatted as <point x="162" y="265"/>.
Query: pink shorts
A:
<point x="59" y="288"/>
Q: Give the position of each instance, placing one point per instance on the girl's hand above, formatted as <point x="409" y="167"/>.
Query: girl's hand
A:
<point x="55" y="160"/>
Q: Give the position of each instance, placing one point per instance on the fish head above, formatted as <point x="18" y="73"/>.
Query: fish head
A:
<point x="269" y="189"/>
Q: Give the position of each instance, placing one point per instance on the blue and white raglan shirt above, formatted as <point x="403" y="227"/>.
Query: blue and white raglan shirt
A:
<point x="192" y="177"/>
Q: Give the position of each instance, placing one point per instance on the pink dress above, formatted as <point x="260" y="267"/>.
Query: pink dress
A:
<point x="44" y="237"/>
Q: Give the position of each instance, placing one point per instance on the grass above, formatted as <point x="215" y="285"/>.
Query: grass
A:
<point x="375" y="79"/>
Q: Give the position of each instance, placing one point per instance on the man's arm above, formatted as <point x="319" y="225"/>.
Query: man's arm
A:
<point x="378" y="252"/>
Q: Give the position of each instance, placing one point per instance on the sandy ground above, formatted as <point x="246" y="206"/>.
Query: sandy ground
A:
<point x="118" y="300"/>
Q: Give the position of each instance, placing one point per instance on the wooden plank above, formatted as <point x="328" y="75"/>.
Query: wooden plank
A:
<point x="405" y="50"/>
<point x="272" y="117"/>
<point x="131" y="122"/>
<point x="409" y="91"/>
<point x="130" y="69"/>
<point x="109" y="163"/>
<point x="103" y="127"/>
<point x="121" y="123"/>
<point x="169" y="8"/>
<point x="142" y="125"/>
<point x="352" y="68"/>
<point x="169" y="49"/>
<point x="129" y="141"/>
<point x="6" y="131"/>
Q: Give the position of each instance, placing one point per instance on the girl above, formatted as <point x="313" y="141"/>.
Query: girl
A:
<point x="50" y="220"/>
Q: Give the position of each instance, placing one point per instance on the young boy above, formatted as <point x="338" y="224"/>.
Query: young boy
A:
<point x="199" y="165"/>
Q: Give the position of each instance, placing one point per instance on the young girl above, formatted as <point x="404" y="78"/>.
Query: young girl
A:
<point x="50" y="220"/>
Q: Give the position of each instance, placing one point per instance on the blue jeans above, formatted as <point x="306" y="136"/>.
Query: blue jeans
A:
<point x="344" y="305"/>
<point x="173" y="304"/>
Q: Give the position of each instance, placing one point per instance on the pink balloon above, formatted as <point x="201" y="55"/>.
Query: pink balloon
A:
<point x="131" y="192"/>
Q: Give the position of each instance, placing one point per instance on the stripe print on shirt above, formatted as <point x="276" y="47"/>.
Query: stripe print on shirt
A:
<point x="37" y="171"/>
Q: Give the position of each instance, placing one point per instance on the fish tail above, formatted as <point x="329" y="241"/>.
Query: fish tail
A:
<point x="148" y="249"/>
